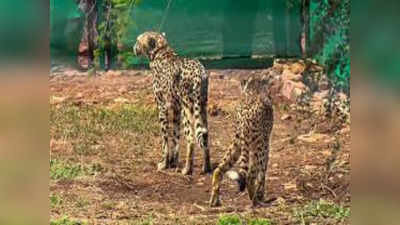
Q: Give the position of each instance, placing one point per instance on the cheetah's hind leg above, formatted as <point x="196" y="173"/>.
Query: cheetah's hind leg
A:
<point x="176" y="123"/>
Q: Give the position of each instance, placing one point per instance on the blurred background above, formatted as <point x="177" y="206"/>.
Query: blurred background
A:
<point x="28" y="38"/>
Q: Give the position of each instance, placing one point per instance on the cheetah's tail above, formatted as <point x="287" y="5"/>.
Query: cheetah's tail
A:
<point x="240" y="179"/>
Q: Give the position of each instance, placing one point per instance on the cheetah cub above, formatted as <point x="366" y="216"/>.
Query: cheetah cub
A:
<point x="250" y="147"/>
<point x="180" y="85"/>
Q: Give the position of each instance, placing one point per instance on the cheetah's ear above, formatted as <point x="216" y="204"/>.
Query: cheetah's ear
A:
<point x="163" y="34"/>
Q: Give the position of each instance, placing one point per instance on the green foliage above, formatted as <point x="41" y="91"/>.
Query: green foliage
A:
<point x="236" y="220"/>
<point x="113" y="30"/>
<point x="65" y="170"/>
<point x="62" y="170"/>
<point x="144" y="221"/>
<point x="66" y="221"/>
<point x="229" y="220"/>
<point x="55" y="201"/>
<point x="259" y="222"/>
<point x="321" y="211"/>
<point x="330" y="39"/>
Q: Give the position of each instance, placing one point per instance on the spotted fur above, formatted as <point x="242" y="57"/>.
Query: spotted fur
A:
<point x="250" y="147"/>
<point x="180" y="85"/>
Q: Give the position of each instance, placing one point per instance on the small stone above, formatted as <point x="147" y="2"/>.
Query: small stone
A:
<point x="315" y="137"/>
<point x="286" y="117"/>
<point x="297" y="68"/>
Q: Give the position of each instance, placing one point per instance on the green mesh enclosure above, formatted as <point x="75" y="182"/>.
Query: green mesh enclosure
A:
<point x="225" y="33"/>
<point x="66" y="23"/>
<point x="207" y="29"/>
<point x="329" y="38"/>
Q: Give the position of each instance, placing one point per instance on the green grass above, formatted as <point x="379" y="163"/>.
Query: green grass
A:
<point x="144" y="221"/>
<point x="321" y="212"/>
<point x="259" y="222"/>
<point x="63" y="170"/>
<point x="86" y="126"/>
<point x="55" y="201"/>
<point x="66" y="221"/>
<point x="229" y="220"/>
<point x="236" y="220"/>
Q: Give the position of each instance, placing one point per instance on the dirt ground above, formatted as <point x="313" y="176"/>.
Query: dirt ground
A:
<point x="103" y="171"/>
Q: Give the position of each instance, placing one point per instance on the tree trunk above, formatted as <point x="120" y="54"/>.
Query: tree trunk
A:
<point x="88" y="42"/>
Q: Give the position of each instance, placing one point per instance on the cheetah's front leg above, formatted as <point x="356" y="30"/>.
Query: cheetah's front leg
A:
<point x="163" y="118"/>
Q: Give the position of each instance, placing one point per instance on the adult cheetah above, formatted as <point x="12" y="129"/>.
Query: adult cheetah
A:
<point x="180" y="84"/>
<point x="250" y="146"/>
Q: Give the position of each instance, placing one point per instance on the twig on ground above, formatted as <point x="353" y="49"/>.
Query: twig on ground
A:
<point x="199" y="207"/>
<point x="329" y="189"/>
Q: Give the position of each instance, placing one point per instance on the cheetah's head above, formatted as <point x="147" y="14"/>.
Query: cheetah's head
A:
<point x="254" y="85"/>
<point x="149" y="43"/>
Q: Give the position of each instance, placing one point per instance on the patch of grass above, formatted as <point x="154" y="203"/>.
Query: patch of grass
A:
<point x="86" y="126"/>
<point x="55" y="201"/>
<point x="259" y="222"/>
<point x="229" y="220"/>
<point x="321" y="212"/>
<point x="66" y="221"/>
<point x="64" y="170"/>
<point x="147" y="221"/>
<point x="236" y="220"/>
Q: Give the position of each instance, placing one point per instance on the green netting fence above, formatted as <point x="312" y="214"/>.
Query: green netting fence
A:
<point x="206" y="29"/>
<point x="330" y="38"/>
<point x="225" y="33"/>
